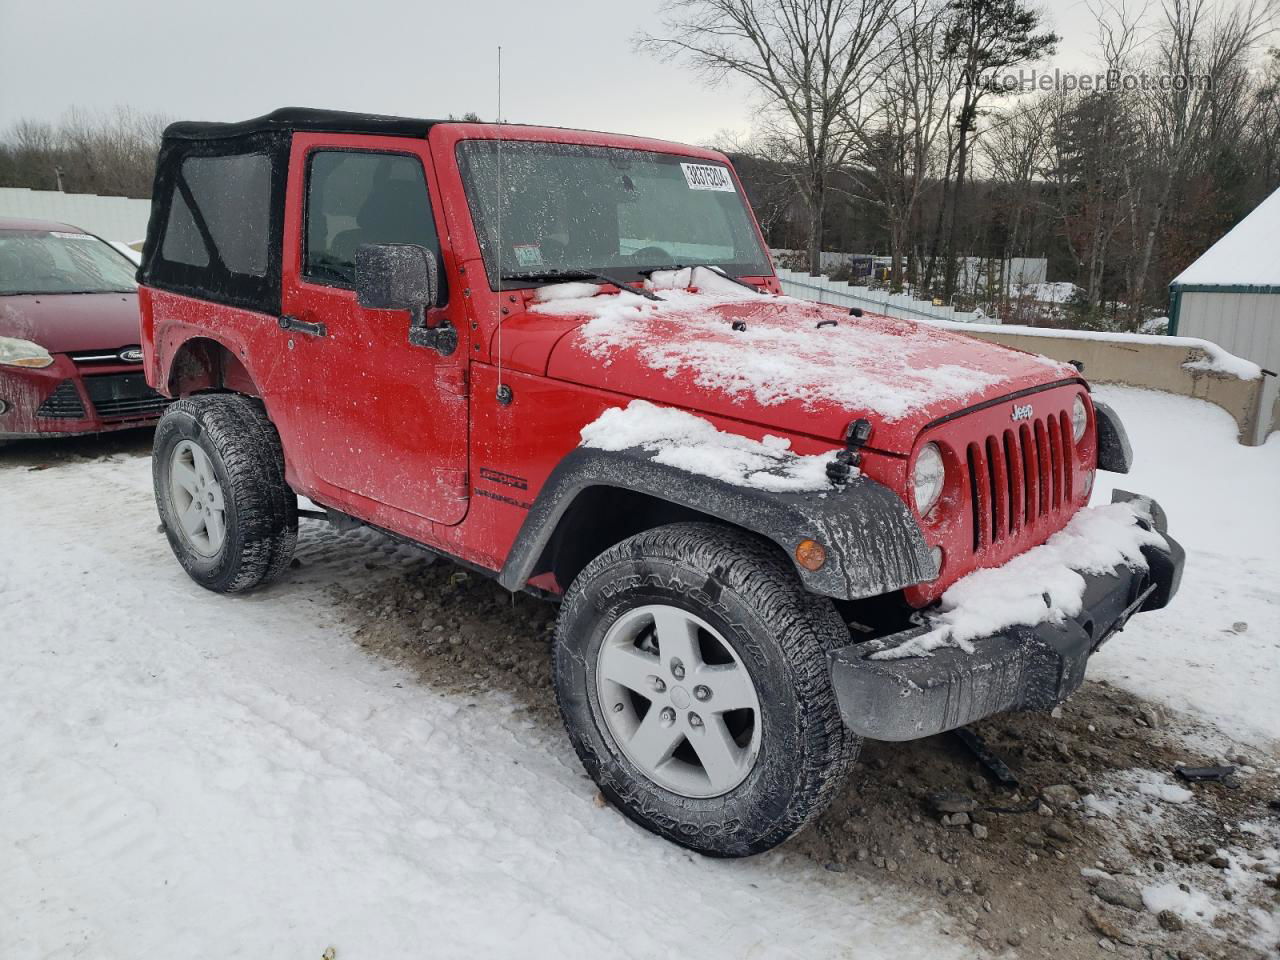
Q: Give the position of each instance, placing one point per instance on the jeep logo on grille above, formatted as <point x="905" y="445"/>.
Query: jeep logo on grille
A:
<point x="1022" y="411"/>
<point x="130" y="355"/>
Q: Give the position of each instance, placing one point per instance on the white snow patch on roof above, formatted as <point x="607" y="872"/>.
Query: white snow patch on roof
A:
<point x="1246" y="255"/>
<point x="893" y="371"/>
<point x="1095" y="541"/>
<point x="694" y="445"/>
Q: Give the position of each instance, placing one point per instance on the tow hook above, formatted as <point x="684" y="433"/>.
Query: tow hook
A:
<point x="856" y="436"/>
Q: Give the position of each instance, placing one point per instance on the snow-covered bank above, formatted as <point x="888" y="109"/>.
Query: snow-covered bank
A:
<point x="1216" y="650"/>
<point x="188" y="775"/>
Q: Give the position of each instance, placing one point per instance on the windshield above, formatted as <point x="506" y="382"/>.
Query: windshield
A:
<point x="569" y="208"/>
<point x="38" y="261"/>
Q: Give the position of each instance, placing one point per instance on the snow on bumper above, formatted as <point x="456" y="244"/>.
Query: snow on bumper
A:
<point x="933" y="677"/>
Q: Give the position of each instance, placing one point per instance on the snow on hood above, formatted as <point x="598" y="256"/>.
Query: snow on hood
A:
<point x="694" y="445"/>
<point x="1095" y="541"/>
<point x="685" y="351"/>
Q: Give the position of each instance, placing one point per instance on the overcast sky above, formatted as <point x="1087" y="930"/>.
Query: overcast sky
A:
<point x="565" y="62"/>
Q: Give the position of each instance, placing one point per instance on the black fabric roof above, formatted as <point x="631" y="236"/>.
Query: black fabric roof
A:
<point x="306" y="119"/>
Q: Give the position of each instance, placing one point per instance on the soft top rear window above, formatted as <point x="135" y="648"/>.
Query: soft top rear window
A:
<point x="216" y="220"/>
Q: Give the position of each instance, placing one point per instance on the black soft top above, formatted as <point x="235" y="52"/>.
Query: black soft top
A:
<point x="306" y="119"/>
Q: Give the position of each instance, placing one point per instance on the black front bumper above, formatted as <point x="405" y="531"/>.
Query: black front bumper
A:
<point x="1022" y="668"/>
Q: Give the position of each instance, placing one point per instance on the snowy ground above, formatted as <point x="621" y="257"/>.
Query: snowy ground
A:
<point x="1216" y="650"/>
<point x="191" y="775"/>
<point x="188" y="775"/>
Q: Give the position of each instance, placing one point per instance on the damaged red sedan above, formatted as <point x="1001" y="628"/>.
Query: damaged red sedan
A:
<point x="69" y="355"/>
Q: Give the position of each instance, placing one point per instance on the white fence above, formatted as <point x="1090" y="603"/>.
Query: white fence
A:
<point x="112" y="218"/>
<point x="972" y="272"/>
<point x="901" y="305"/>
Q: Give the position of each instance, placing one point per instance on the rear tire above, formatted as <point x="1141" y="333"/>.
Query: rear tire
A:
<point x="218" y="471"/>
<point x="781" y="751"/>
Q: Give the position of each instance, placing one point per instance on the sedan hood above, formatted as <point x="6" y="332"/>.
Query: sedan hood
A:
<point x="72" y="322"/>
<point x="786" y="364"/>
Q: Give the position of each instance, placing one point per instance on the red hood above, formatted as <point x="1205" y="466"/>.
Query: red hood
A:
<point x="782" y="371"/>
<point x="67" y="322"/>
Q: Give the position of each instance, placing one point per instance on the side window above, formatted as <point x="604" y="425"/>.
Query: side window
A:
<point x="221" y="208"/>
<point x="356" y="198"/>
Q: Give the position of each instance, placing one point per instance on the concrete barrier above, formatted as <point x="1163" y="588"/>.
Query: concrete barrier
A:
<point x="1181" y="365"/>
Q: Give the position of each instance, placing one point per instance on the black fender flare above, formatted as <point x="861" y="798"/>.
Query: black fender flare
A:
<point x="1115" y="454"/>
<point x="874" y="544"/>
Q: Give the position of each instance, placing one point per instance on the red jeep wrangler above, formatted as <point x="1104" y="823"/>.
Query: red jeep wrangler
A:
<point x="563" y="359"/>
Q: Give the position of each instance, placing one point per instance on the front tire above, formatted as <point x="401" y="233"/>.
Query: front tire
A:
<point x="691" y="672"/>
<point x="218" y="471"/>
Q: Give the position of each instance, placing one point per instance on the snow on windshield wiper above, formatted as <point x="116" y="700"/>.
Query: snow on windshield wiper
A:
<point x="719" y="271"/>
<point x="561" y="276"/>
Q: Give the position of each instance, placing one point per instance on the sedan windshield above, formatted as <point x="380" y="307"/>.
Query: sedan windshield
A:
<point x="48" y="262"/>
<point x="565" y="208"/>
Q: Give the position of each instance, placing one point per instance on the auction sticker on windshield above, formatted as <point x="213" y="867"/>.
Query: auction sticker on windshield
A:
<point x="705" y="176"/>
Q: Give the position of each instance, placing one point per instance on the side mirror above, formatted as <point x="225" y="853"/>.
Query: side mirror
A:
<point x="395" y="276"/>
<point x="403" y="276"/>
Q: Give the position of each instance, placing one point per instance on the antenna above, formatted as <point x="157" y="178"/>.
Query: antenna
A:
<point x="503" y="394"/>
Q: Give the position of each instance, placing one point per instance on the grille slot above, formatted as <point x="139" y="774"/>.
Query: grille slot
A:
<point x="63" y="404"/>
<point x="123" y="395"/>
<point x="1018" y="478"/>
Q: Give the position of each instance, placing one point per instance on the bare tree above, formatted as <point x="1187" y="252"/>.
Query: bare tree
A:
<point x="897" y="146"/>
<point x="1014" y="151"/>
<point x="112" y="154"/>
<point x="984" y="36"/>
<point x="1208" y="44"/>
<point x="809" y="60"/>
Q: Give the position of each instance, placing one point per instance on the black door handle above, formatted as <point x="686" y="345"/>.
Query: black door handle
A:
<point x="302" y="326"/>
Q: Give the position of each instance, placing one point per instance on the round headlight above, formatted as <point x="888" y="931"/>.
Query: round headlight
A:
<point x="927" y="478"/>
<point x="23" y="353"/>
<point x="1079" y="418"/>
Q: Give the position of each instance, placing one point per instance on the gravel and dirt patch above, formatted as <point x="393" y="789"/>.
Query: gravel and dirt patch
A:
<point x="1099" y="849"/>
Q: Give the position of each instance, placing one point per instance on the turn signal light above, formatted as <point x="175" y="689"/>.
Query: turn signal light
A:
<point x="810" y="554"/>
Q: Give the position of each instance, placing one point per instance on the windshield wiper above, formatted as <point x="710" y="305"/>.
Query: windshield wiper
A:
<point x="650" y="271"/>
<point x="561" y="276"/>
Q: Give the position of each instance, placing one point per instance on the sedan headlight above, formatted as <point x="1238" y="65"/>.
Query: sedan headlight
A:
<point x="928" y="477"/>
<point x="1079" y="418"/>
<point x="23" y="353"/>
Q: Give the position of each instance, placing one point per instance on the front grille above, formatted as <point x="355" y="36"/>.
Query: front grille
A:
<point x="63" y="404"/>
<point x="1020" y="478"/>
<point x="123" y="395"/>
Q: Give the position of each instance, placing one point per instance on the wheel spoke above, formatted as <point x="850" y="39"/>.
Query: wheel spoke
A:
<point x="730" y="685"/>
<point x="677" y="637"/>
<point x="184" y="476"/>
<point x="653" y="742"/>
<point x="720" y="756"/>
<point x="215" y="526"/>
<point x="630" y="667"/>
<point x="192" y="519"/>
<point x="204" y="469"/>
<point x="213" y="496"/>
